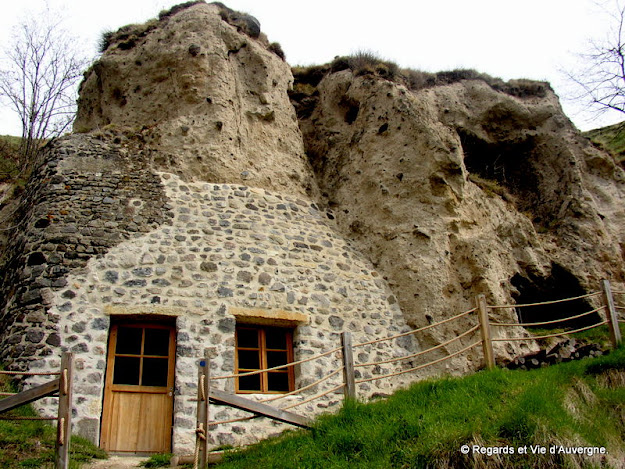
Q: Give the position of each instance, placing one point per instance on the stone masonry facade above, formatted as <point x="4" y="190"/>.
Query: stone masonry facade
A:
<point x="201" y="254"/>
<point x="84" y="198"/>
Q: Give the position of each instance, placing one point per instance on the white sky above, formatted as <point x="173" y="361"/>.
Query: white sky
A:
<point x="509" y="39"/>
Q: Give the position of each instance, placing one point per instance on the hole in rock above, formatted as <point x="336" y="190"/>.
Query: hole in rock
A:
<point x="350" y="108"/>
<point x="560" y="284"/>
<point x="508" y="164"/>
<point x="36" y="258"/>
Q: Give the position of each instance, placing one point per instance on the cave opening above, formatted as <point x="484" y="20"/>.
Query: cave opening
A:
<point x="560" y="284"/>
<point x="508" y="164"/>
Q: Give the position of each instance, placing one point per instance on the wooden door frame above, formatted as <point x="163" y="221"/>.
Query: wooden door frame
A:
<point x="110" y="388"/>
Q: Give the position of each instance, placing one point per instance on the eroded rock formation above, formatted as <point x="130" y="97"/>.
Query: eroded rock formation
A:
<point x="194" y="189"/>
<point x="461" y="189"/>
<point x="207" y="99"/>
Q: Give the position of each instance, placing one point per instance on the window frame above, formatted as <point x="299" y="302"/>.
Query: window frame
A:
<point x="262" y="332"/>
<point x="113" y="355"/>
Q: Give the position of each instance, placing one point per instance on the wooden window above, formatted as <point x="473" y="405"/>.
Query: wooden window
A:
<point x="141" y="355"/>
<point x="260" y="347"/>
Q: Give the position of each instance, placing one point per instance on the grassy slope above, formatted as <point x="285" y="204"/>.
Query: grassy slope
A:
<point x="611" y="138"/>
<point x="8" y="149"/>
<point x="31" y="443"/>
<point x="569" y="404"/>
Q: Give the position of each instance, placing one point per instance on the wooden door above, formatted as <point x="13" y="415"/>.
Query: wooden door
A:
<point x="138" y="394"/>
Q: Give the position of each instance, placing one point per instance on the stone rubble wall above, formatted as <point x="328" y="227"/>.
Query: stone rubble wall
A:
<point x="84" y="198"/>
<point x="200" y="254"/>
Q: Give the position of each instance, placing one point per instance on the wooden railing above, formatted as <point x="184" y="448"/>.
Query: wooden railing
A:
<point x="61" y="385"/>
<point x="608" y="307"/>
<point x="479" y="334"/>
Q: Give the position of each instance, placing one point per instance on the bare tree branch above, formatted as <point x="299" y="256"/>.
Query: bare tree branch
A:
<point x="39" y="81"/>
<point x="600" y="81"/>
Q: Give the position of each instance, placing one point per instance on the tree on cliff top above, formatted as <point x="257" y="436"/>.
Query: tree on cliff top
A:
<point x="600" y="81"/>
<point x="39" y="71"/>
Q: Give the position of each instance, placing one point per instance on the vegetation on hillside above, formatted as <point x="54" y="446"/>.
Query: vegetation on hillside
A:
<point x="368" y="63"/>
<point x="611" y="139"/>
<point x="9" y="157"/>
<point x="571" y="405"/>
<point x="12" y="180"/>
<point x="26" y="444"/>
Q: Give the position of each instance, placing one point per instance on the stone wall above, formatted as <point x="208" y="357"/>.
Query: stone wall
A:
<point x="85" y="197"/>
<point x="113" y="241"/>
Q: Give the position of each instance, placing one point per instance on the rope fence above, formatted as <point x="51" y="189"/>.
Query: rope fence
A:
<point x="607" y="311"/>
<point x="305" y="388"/>
<point x="434" y="362"/>
<point x="406" y="357"/>
<point x="287" y="365"/>
<point x="546" y="323"/>
<point x="558" y="334"/>
<point x="429" y="326"/>
<point x="550" y="302"/>
<point x="61" y="386"/>
<point x="325" y="393"/>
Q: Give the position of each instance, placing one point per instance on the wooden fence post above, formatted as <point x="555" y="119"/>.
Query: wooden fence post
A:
<point x="487" y="344"/>
<point x="348" y="366"/>
<point x="615" y="331"/>
<point x="64" y="424"/>
<point x="203" y="397"/>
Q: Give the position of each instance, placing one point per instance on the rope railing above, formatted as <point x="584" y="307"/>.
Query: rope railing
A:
<point x="429" y="326"/>
<point x="559" y="334"/>
<point x="286" y="365"/>
<point x="30" y="373"/>
<point x="284" y="395"/>
<point x="239" y="419"/>
<point x="305" y="388"/>
<point x="544" y="323"/>
<point x="365" y="380"/>
<point x="406" y="357"/>
<point x="550" y="302"/>
<point x="346" y="350"/>
<point x="325" y="393"/>
<point x="309" y="399"/>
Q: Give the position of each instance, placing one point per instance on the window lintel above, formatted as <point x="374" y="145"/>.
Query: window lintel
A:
<point x="268" y="317"/>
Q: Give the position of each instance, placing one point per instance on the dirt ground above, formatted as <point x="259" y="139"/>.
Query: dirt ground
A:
<point x="116" y="462"/>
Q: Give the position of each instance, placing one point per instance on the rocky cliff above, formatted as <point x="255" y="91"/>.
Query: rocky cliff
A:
<point x="204" y="181"/>
<point x="469" y="185"/>
<point x="205" y="93"/>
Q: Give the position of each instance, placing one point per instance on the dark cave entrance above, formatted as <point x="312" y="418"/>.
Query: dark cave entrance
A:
<point x="559" y="285"/>
<point x="508" y="164"/>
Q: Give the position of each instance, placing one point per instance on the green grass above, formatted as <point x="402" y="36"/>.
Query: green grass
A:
<point x="426" y="425"/>
<point x="599" y="335"/>
<point x="158" y="460"/>
<point x="26" y="444"/>
<point x="8" y="157"/>
<point x="610" y="138"/>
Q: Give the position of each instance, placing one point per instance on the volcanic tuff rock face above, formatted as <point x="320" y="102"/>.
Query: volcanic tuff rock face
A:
<point x="462" y="189"/>
<point x="210" y="101"/>
<point x="446" y="191"/>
